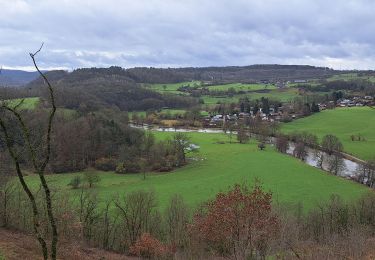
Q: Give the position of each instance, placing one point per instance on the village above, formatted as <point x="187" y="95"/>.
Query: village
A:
<point x="286" y="112"/>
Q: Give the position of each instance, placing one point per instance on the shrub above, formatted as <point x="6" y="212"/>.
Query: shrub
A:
<point x="105" y="164"/>
<point x="120" y="168"/>
<point x="75" y="182"/>
<point x="149" y="247"/>
<point x="132" y="167"/>
<point x="261" y="146"/>
<point x="240" y="221"/>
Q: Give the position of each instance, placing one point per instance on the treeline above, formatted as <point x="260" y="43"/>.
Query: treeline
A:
<point x="12" y="93"/>
<point x="102" y="140"/>
<point x="241" y="223"/>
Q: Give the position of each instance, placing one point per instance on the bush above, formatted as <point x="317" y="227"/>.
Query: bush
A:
<point x="149" y="247"/>
<point x="132" y="167"/>
<point x="75" y="182"/>
<point x="120" y="168"/>
<point x="105" y="164"/>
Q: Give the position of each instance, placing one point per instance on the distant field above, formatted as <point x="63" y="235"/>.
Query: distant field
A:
<point x="342" y="122"/>
<point x="219" y="166"/>
<point x="166" y="111"/>
<point x="28" y="103"/>
<point x="351" y="76"/>
<point x="172" y="88"/>
<point x="284" y="95"/>
<point x="240" y="86"/>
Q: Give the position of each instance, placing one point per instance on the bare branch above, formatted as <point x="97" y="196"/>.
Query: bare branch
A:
<point x="19" y="104"/>
<point x="35" y="53"/>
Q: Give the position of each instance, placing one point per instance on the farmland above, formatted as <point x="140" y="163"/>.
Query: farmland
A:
<point x="284" y="95"/>
<point x="218" y="165"/>
<point x="28" y="103"/>
<point x="241" y="87"/>
<point x="171" y="88"/>
<point x="342" y="122"/>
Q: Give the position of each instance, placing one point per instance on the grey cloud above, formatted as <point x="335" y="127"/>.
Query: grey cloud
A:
<point x="177" y="33"/>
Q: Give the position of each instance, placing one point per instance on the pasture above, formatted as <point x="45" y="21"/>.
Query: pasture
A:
<point x="241" y="87"/>
<point x="28" y="103"/>
<point x="220" y="164"/>
<point x="342" y="122"/>
<point x="283" y="95"/>
<point x="172" y="88"/>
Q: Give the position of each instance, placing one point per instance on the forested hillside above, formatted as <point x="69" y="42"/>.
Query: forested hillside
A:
<point x="94" y="89"/>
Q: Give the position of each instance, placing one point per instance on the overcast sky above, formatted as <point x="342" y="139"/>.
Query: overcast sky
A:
<point x="166" y="33"/>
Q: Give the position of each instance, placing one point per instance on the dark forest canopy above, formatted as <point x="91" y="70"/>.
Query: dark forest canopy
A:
<point x="174" y="75"/>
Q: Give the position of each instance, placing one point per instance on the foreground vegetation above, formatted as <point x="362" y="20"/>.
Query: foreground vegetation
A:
<point x="353" y="126"/>
<point x="219" y="164"/>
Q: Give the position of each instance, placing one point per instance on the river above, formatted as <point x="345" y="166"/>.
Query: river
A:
<point x="349" y="169"/>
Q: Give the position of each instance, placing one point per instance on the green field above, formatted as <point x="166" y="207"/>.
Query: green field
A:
<point x="218" y="166"/>
<point x="240" y="86"/>
<point x="172" y="88"/>
<point x="283" y="95"/>
<point x="28" y="103"/>
<point x="342" y="122"/>
<point x="351" y="76"/>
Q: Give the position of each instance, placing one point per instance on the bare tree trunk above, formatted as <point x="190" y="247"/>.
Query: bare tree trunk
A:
<point x="39" y="167"/>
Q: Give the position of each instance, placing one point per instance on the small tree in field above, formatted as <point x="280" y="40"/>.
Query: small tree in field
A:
<point x="242" y="135"/>
<point x="239" y="222"/>
<point x="282" y="144"/>
<point x="91" y="178"/>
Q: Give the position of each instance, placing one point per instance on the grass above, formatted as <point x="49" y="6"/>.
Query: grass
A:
<point x="342" y="122"/>
<point x="283" y="95"/>
<point x="218" y="166"/>
<point x="172" y="88"/>
<point x="351" y="76"/>
<point x="28" y="103"/>
<point x="240" y="86"/>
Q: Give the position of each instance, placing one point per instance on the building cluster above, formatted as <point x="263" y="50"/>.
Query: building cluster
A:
<point x="218" y="120"/>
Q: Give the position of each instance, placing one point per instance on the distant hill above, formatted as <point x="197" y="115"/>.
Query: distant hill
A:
<point x="175" y="75"/>
<point x="230" y="73"/>
<point x="16" y="78"/>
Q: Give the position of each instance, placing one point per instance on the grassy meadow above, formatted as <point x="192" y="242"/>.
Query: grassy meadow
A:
<point x="284" y="95"/>
<point x="342" y="122"/>
<point x="28" y="103"/>
<point x="241" y="87"/>
<point x="172" y="88"/>
<point x="220" y="164"/>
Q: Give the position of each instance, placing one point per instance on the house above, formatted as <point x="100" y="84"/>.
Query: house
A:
<point x="300" y="81"/>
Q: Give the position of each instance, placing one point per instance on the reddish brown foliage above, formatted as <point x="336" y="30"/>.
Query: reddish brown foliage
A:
<point x="149" y="247"/>
<point x="239" y="221"/>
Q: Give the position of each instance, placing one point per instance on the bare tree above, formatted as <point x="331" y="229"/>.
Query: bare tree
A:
<point x="331" y="144"/>
<point x="300" y="151"/>
<point x="136" y="210"/>
<point x="335" y="164"/>
<point x="282" y="144"/>
<point x="39" y="164"/>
